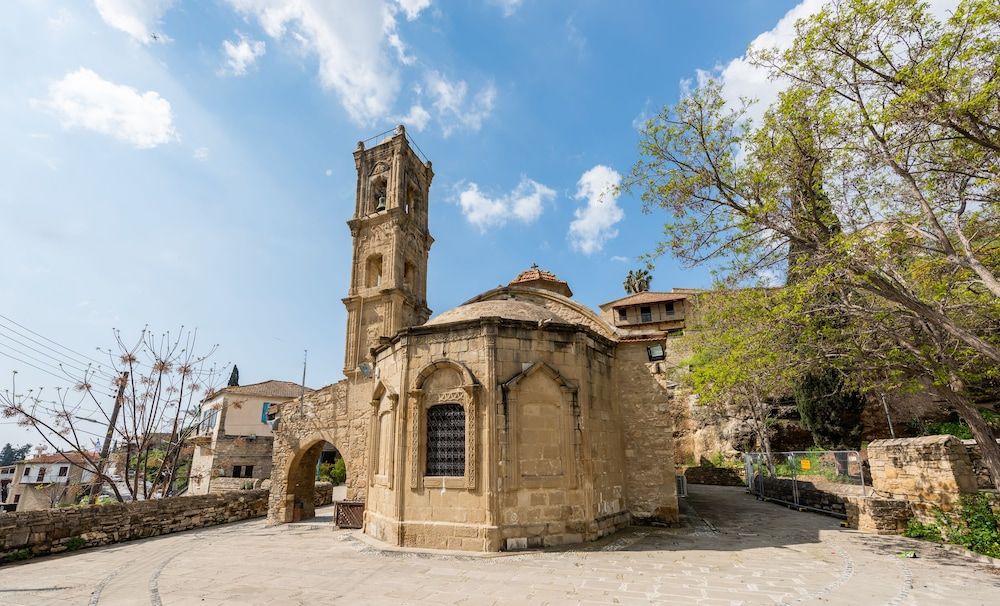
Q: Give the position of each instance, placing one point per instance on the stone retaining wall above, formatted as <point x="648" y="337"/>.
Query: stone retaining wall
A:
<point x="927" y="472"/>
<point x="49" y="531"/>
<point x="825" y="496"/>
<point x="716" y="476"/>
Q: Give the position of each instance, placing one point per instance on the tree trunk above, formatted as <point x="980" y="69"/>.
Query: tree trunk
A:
<point x="989" y="450"/>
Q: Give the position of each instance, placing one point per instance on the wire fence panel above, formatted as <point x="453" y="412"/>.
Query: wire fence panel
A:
<point x="817" y="480"/>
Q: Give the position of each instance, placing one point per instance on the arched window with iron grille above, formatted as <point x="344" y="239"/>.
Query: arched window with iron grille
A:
<point x="446" y="440"/>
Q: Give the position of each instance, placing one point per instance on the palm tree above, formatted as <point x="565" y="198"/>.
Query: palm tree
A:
<point x="637" y="280"/>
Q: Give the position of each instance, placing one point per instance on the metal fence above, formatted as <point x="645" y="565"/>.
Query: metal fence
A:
<point x="816" y="480"/>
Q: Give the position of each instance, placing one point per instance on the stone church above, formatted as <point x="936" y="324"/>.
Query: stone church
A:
<point x="518" y="419"/>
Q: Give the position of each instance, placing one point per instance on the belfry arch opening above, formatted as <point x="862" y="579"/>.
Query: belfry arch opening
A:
<point x="320" y="462"/>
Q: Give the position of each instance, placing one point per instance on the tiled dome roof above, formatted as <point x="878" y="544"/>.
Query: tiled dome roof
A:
<point x="511" y="309"/>
<point x="536" y="277"/>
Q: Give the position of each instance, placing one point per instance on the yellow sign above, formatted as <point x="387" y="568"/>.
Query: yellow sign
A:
<point x="805" y="464"/>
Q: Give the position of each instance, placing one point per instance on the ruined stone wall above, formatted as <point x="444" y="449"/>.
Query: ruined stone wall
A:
<point x="644" y="395"/>
<point x="56" y="530"/>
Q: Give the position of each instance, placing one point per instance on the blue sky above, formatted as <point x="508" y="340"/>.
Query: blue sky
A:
<point x="189" y="163"/>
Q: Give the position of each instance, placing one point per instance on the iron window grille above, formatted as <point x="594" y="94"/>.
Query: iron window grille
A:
<point x="446" y="440"/>
<point x="646" y="314"/>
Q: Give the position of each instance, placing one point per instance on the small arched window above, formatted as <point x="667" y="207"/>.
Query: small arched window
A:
<point x="446" y="440"/>
<point x="373" y="271"/>
<point x="408" y="275"/>
<point x="379" y="201"/>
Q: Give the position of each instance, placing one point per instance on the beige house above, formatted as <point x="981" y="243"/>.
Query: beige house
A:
<point x="520" y="418"/>
<point x="232" y="446"/>
<point x="47" y="481"/>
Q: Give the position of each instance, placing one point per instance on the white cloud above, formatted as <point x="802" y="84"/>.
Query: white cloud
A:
<point x="350" y="39"/>
<point x="455" y="111"/>
<point x="620" y="258"/>
<point x="242" y="54"/>
<point x="200" y="154"/>
<point x="594" y="224"/>
<point x="134" y="17"/>
<point x="82" y="99"/>
<point x="509" y="7"/>
<point x="413" y="8"/>
<point x="328" y="172"/>
<point x="417" y="119"/>
<point x="524" y="204"/>
<point x="741" y="79"/>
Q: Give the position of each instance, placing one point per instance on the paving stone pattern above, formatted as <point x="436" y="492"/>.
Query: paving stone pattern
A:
<point x="732" y="549"/>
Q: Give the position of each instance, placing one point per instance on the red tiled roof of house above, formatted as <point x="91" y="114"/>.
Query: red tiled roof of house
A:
<point x="62" y="457"/>
<point x="647" y="297"/>
<point x="264" y="389"/>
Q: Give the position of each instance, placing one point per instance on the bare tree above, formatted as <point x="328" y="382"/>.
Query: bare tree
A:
<point x="158" y="381"/>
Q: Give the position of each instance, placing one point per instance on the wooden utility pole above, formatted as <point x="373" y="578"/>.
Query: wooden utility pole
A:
<point x="102" y="464"/>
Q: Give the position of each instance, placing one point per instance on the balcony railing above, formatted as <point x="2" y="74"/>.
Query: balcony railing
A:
<point x="46" y="479"/>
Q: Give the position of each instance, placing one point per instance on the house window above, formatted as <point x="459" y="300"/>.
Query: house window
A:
<point x="17" y="498"/>
<point x="209" y="418"/>
<point x="646" y="314"/>
<point x="670" y="308"/>
<point x="446" y="440"/>
<point x="655" y="352"/>
<point x="242" y="471"/>
<point x="41" y="474"/>
<point x="622" y="314"/>
<point x="63" y="471"/>
<point x="263" y="412"/>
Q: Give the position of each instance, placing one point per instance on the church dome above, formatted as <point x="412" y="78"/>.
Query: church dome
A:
<point x="536" y="277"/>
<point x="511" y="309"/>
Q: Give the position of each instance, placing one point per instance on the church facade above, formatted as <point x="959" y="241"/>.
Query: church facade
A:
<point x="518" y="419"/>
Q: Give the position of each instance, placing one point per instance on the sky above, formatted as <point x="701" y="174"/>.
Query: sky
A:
<point x="179" y="163"/>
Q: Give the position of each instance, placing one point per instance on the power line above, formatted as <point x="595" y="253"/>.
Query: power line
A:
<point x="84" y="356"/>
<point x="61" y="362"/>
<point x="64" y="379"/>
<point x="57" y="352"/>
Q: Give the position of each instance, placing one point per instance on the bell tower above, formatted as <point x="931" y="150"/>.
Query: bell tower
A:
<point x="388" y="289"/>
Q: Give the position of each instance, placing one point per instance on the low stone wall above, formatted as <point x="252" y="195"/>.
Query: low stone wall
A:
<point x="716" y="476"/>
<point x="878" y="516"/>
<point x="825" y="496"/>
<point x="49" y="531"/>
<point x="928" y="472"/>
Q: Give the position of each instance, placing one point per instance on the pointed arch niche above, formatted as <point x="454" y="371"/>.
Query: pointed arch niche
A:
<point x="543" y="436"/>
<point x="446" y="384"/>
<point x="382" y="444"/>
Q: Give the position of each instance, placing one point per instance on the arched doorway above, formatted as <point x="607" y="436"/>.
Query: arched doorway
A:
<point x="320" y="462"/>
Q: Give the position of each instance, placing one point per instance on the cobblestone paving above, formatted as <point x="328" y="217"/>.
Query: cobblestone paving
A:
<point x="731" y="550"/>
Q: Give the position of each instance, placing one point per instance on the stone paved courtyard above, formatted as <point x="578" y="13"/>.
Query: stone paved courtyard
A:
<point x="731" y="550"/>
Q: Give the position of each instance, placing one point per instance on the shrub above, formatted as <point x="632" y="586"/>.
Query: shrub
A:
<point x="75" y="543"/>
<point x="918" y="530"/>
<point x="334" y="473"/>
<point x="977" y="526"/>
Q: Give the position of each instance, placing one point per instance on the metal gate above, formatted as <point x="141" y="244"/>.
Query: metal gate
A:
<point x="815" y="480"/>
<point x="349" y="514"/>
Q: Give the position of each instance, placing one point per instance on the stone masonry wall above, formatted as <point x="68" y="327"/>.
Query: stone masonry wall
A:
<point x="825" y="496"/>
<point x="56" y="530"/>
<point x="53" y="531"/>
<point x="928" y="472"/>
<point x="983" y="479"/>
<point x="716" y="476"/>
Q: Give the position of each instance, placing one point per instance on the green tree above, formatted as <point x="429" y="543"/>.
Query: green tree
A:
<point x="9" y="454"/>
<point x="830" y="409"/>
<point x="742" y="358"/>
<point x="637" y="280"/>
<point x="897" y="115"/>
